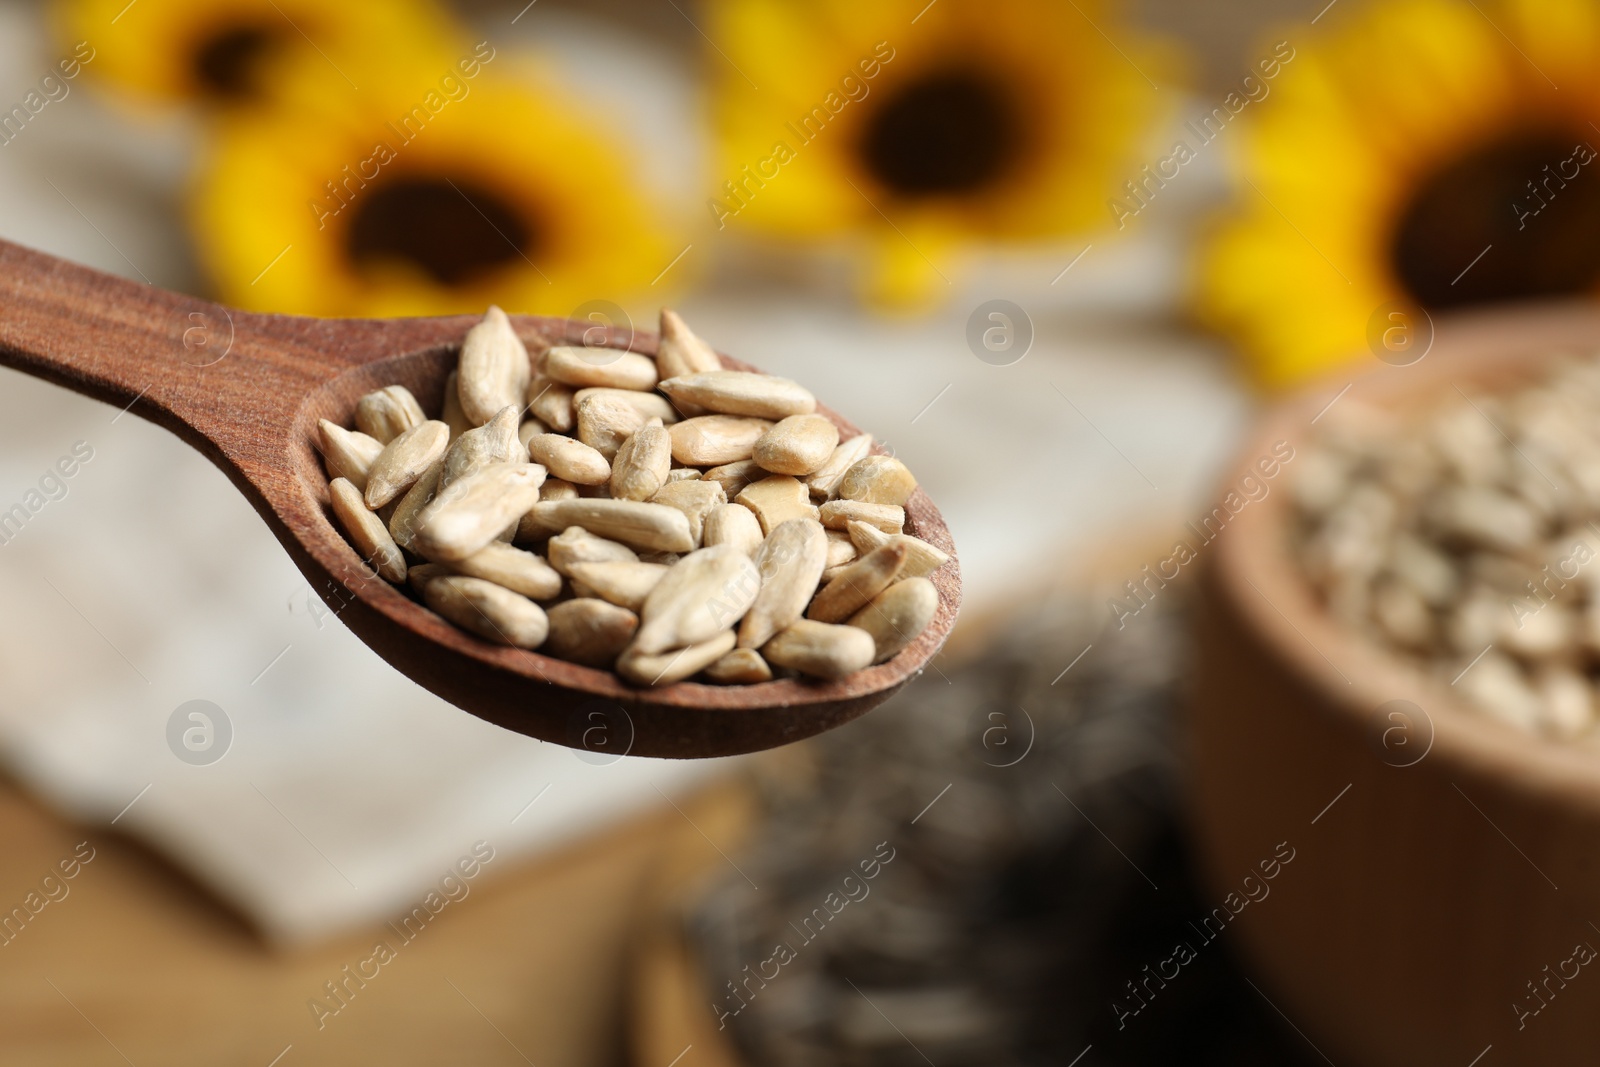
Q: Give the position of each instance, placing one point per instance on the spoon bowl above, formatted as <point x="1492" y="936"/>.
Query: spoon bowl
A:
<point x="248" y="390"/>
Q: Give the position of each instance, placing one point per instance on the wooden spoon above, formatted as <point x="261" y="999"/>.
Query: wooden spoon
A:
<point x="247" y="390"/>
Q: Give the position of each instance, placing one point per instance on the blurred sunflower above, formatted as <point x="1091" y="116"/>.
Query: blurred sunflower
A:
<point x="427" y="192"/>
<point x="923" y="126"/>
<point x="230" y="52"/>
<point x="1424" y="154"/>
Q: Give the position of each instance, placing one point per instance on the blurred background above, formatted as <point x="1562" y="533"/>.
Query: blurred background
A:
<point x="1055" y="254"/>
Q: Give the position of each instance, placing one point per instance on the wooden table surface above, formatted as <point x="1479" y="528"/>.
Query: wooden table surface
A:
<point x="136" y="965"/>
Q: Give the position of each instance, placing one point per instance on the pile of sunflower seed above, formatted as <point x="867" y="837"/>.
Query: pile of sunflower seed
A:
<point x="659" y="516"/>
<point x="968" y="875"/>
<point x="1464" y="538"/>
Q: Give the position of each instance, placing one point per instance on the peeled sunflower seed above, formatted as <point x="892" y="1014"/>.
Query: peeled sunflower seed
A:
<point x="530" y="428"/>
<point x="403" y="460"/>
<point x="839" y="514"/>
<point x="494" y="368"/>
<point x="621" y="582"/>
<point x="665" y="668"/>
<point x="742" y="666"/>
<point x="371" y="537"/>
<point x="878" y="480"/>
<point x="642" y="463"/>
<point x="476" y="510"/>
<point x="589" y="632"/>
<point x="531" y="528"/>
<point x="709" y="440"/>
<point x="493" y="442"/>
<point x="857" y="584"/>
<point x="348" y="454"/>
<point x="605" y="422"/>
<point x="576" y="545"/>
<point x="797" y="445"/>
<point x="609" y="368"/>
<point x="649" y="405"/>
<point x="681" y="352"/>
<point x="732" y="524"/>
<point x="695" y="499"/>
<point x="703" y="593"/>
<point x="841" y="549"/>
<point x="820" y="649"/>
<point x="685" y="474"/>
<point x="898" y="615"/>
<point x="735" y="392"/>
<point x="569" y="460"/>
<point x="487" y="610"/>
<point x="388" y="413"/>
<point x="423" y="573"/>
<point x="825" y="481"/>
<point x="777" y="499"/>
<point x="453" y="416"/>
<point x="638" y="524"/>
<point x="511" y="568"/>
<point x="403" y="520"/>
<point x="922" y="559"/>
<point x="790" y="562"/>
<point x="551" y="402"/>
<point x="733" y="477"/>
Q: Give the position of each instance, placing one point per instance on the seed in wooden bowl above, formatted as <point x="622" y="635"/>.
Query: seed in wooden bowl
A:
<point x="712" y="440"/>
<point x="799" y="444"/>
<point x="388" y="412"/>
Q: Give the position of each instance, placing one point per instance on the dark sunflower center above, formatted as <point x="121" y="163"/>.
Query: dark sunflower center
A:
<point x="230" y="63"/>
<point x="452" y="232"/>
<point x="1542" y="239"/>
<point x="950" y="132"/>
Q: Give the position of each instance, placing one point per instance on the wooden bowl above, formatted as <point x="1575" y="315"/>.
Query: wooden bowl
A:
<point x="1442" y="860"/>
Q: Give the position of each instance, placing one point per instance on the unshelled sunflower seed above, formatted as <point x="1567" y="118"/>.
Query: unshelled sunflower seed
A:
<point x="734" y="392"/>
<point x="606" y="368"/>
<point x="797" y="445"/>
<point x="348" y="454"/>
<point x="620" y="582"/>
<point x="487" y="610"/>
<point x="576" y="545"/>
<point x="839" y="514"/>
<point x="403" y="460"/>
<point x="732" y="524"/>
<point x="589" y="632"/>
<point x="493" y="442"/>
<point x="642" y="463"/>
<point x="711" y="440"/>
<point x="388" y="412"/>
<point x="570" y="460"/>
<point x="777" y="499"/>
<point x="703" y="593"/>
<point x="681" y="351"/>
<point x="790" y="562"/>
<point x="476" y="510"/>
<point x="878" y="480"/>
<point x="696" y="499"/>
<point x="665" y="668"/>
<point x="898" y="615"/>
<point x="494" y="368"/>
<point x="820" y="649"/>
<point x="922" y="559"/>
<point x="742" y="666"/>
<point x="824" y="483"/>
<point x="857" y="584"/>
<point x="638" y="524"/>
<point x="367" y="531"/>
<point x="511" y="568"/>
